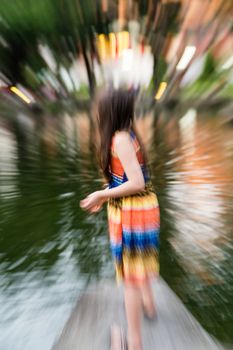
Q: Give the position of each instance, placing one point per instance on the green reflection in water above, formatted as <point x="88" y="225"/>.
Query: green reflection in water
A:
<point x="50" y="249"/>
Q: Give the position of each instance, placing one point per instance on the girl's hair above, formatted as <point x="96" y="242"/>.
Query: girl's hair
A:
<point x="115" y="112"/>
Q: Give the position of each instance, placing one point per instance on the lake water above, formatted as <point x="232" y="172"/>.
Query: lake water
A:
<point x="50" y="249"/>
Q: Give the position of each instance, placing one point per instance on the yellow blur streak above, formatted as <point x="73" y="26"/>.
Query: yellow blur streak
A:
<point x="102" y="45"/>
<point x="107" y="44"/>
<point x="113" y="43"/>
<point x="123" y="41"/>
<point x="20" y="94"/>
<point x="162" y="88"/>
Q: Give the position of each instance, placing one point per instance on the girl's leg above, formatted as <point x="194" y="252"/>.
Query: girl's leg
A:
<point x="148" y="299"/>
<point x="133" y="307"/>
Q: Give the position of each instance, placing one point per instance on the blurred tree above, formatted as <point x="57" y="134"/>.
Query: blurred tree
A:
<point x="66" y="27"/>
<point x="209" y="69"/>
<point x="161" y="19"/>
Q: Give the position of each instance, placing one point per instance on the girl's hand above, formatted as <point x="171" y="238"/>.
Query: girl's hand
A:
<point x="93" y="202"/>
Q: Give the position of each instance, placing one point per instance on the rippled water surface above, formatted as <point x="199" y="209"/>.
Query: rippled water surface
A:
<point x="50" y="249"/>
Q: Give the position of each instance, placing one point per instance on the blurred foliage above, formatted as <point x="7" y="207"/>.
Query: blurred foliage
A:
<point x="209" y="70"/>
<point x="65" y="26"/>
<point x="210" y="78"/>
<point x="68" y="28"/>
<point x="83" y="92"/>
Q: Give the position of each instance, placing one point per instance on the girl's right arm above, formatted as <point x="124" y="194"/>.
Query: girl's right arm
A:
<point x="127" y="155"/>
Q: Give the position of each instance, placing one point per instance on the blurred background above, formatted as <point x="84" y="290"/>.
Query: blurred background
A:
<point x="54" y="56"/>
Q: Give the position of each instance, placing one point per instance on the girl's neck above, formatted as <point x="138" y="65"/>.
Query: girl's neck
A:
<point x="125" y="129"/>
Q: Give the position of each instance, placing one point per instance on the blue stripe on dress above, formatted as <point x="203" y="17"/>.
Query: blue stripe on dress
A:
<point x="116" y="250"/>
<point x="141" y="240"/>
<point x="133" y="240"/>
<point x="116" y="180"/>
<point x="139" y="232"/>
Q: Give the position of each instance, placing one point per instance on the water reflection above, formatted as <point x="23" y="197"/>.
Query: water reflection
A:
<point x="8" y="158"/>
<point x="50" y="249"/>
<point x="199" y="205"/>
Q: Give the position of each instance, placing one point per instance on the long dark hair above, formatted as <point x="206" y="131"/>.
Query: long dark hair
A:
<point x="115" y="112"/>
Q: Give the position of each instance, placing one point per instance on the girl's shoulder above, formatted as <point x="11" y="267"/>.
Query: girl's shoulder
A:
<point x="120" y="135"/>
<point x="124" y="135"/>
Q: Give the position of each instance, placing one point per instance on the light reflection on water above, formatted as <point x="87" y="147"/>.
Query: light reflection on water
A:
<point x="198" y="209"/>
<point x="50" y="249"/>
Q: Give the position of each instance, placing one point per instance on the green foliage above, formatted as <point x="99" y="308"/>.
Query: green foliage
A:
<point x="62" y="25"/>
<point x="227" y="91"/>
<point x="208" y="78"/>
<point x="83" y="92"/>
<point x="209" y="69"/>
<point x="161" y="69"/>
<point x="30" y="77"/>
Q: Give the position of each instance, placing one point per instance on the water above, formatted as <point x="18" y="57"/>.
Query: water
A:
<point x="50" y="249"/>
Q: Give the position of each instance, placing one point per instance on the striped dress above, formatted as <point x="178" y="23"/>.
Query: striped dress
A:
<point x="134" y="224"/>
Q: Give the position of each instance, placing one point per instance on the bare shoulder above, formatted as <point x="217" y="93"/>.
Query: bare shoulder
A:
<point x="123" y="145"/>
<point x="122" y="138"/>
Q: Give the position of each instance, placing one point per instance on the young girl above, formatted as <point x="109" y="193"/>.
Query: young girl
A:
<point x="133" y="211"/>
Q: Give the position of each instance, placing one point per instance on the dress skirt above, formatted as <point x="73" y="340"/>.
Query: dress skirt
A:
<point x="134" y="226"/>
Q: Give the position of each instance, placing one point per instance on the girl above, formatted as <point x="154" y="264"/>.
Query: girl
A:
<point x="133" y="211"/>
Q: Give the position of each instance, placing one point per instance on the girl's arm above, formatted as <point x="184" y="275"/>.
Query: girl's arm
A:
<point x="127" y="155"/>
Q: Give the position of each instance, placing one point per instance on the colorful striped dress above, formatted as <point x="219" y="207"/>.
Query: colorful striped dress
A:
<point x="134" y="224"/>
